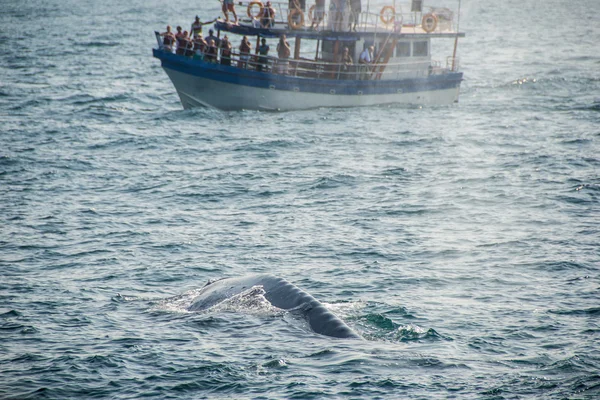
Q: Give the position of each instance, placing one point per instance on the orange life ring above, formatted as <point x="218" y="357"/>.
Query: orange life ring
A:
<point x="292" y="19"/>
<point x="387" y="19"/>
<point x="251" y="6"/>
<point x="429" y="23"/>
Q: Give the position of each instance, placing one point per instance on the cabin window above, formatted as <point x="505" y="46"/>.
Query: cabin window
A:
<point x="403" y="49"/>
<point x="420" y="49"/>
<point x="327" y="46"/>
<point x="416" y="6"/>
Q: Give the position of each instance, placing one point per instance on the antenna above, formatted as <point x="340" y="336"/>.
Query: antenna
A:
<point x="456" y="39"/>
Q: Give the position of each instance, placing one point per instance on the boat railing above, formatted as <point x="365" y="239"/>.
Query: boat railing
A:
<point x="369" y="20"/>
<point x="452" y="63"/>
<point x="319" y="69"/>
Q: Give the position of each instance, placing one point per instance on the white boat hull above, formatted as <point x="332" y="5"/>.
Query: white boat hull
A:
<point x="203" y="84"/>
<point x="196" y="91"/>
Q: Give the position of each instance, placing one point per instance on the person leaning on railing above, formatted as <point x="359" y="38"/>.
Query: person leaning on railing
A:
<point x="178" y="39"/>
<point x="189" y="46"/>
<point x="347" y="64"/>
<point x="200" y="46"/>
<point x="245" y="49"/>
<point x="365" y="60"/>
<point x="211" y="52"/>
<point x="225" y="51"/>
<point x="184" y="44"/>
<point x="168" y="39"/>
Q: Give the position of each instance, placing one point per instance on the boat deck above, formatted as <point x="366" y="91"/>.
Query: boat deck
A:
<point x="343" y="23"/>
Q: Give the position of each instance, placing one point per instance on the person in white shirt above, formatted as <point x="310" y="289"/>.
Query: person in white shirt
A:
<point x="364" y="60"/>
<point x="366" y="57"/>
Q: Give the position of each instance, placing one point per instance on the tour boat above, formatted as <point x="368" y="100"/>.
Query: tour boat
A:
<point x="317" y="73"/>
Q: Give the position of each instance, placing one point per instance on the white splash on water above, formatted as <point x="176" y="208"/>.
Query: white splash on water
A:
<point x="179" y="303"/>
<point x="250" y="301"/>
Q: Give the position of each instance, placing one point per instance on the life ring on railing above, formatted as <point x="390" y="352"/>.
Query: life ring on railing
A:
<point x="387" y="17"/>
<point x="429" y="23"/>
<point x="293" y="23"/>
<point x="251" y="6"/>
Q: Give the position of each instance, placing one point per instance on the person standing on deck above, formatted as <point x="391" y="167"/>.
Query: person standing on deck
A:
<point x="283" y="52"/>
<point x="356" y="7"/>
<point x="179" y="32"/>
<point x="197" y="26"/>
<point x="225" y="51"/>
<point x="338" y="14"/>
<point x="180" y="37"/>
<point x="228" y="5"/>
<point x="347" y="64"/>
<point x="365" y="60"/>
<point x="263" y="50"/>
<point x="319" y="14"/>
<point x="245" y="49"/>
<point x="168" y="39"/>
<point x="199" y="47"/>
<point x="267" y="17"/>
<point x="186" y="45"/>
<point x="211" y="36"/>
<point x="211" y="52"/>
<point x="296" y="5"/>
<point x="299" y="4"/>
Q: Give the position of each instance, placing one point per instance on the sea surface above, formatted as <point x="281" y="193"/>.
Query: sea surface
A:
<point x="462" y="242"/>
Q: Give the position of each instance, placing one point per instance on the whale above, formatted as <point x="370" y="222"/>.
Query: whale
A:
<point x="281" y="294"/>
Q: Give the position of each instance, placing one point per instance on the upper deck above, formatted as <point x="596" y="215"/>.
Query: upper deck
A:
<point x="297" y="18"/>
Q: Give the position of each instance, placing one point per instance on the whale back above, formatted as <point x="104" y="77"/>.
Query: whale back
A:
<point x="281" y="294"/>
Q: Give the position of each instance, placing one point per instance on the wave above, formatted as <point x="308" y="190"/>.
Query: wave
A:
<point x="592" y="311"/>
<point x="561" y="266"/>
<point x="380" y="326"/>
<point x="98" y="44"/>
<point x="10" y="314"/>
<point x="333" y="182"/>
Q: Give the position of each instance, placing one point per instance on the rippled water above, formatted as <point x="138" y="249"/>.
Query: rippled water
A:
<point x="461" y="242"/>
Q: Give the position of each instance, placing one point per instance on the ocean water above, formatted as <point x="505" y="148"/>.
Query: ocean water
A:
<point x="462" y="242"/>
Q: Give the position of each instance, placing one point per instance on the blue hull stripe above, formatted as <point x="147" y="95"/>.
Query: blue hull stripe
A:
<point x="237" y="76"/>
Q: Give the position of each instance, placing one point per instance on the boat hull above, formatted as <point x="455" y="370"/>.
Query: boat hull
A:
<point x="201" y="84"/>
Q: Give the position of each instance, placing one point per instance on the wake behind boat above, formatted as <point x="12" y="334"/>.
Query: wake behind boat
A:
<point x="341" y="56"/>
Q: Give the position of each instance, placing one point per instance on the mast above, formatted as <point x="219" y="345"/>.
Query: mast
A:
<point x="456" y="38"/>
<point x="297" y="47"/>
